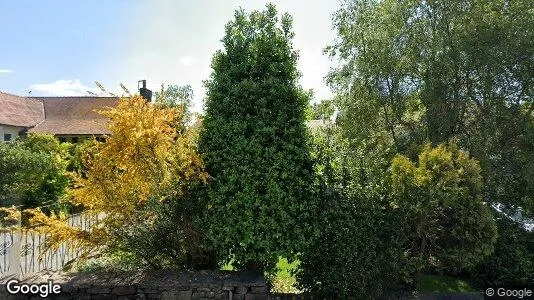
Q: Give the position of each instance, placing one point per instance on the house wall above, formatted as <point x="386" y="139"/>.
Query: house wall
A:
<point x="71" y="138"/>
<point x="8" y="129"/>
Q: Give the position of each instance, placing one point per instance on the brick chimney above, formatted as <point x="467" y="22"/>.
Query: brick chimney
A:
<point x="144" y="92"/>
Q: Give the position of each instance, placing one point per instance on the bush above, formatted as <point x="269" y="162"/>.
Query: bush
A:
<point x="512" y="262"/>
<point x="166" y="235"/>
<point x="33" y="171"/>
<point x="45" y="143"/>
<point x="135" y="185"/>
<point x="377" y="232"/>
<point x="440" y="201"/>
<point x="358" y="252"/>
<point x="112" y="261"/>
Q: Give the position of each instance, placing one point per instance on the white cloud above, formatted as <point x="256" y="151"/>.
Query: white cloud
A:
<point x="6" y="71"/>
<point x="187" y="60"/>
<point x="166" y="53"/>
<point x="63" y="87"/>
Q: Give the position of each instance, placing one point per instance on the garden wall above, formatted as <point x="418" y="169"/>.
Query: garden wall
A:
<point x="226" y="285"/>
<point x="153" y="285"/>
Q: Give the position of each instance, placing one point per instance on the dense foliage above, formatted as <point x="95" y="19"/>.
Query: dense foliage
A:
<point x="254" y="143"/>
<point x="166" y="235"/>
<point x="440" y="201"/>
<point x="180" y="97"/>
<point x="144" y="160"/>
<point x="322" y="110"/>
<point x="434" y="70"/>
<point x="512" y="262"/>
<point x="33" y="171"/>
<point x="381" y="231"/>
<point x="357" y="251"/>
<point x="413" y="72"/>
<point x="434" y="126"/>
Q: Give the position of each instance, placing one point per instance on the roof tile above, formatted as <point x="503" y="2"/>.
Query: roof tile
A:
<point x="20" y="111"/>
<point x="74" y="115"/>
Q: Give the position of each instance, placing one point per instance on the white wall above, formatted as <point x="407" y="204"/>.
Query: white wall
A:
<point x="13" y="130"/>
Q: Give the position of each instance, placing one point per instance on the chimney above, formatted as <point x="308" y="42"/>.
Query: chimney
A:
<point x="144" y="92"/>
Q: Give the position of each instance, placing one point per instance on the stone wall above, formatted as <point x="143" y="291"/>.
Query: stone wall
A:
<point x="153" y="285"/>
<point x="226" y="285"/>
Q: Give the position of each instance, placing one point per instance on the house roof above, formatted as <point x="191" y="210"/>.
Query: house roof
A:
<point x="74" y="115"/>
<point x="20" y="111"/>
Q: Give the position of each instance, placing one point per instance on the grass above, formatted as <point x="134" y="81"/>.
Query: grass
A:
<point x="443" y="284"/>
<point x="228" y="266"/>
<point x="282" y="281"/>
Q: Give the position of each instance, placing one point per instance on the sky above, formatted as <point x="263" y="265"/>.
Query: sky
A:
<point x="61" y="47"/>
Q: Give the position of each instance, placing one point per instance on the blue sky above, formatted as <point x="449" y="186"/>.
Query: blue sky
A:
<point x="62" y="47"/>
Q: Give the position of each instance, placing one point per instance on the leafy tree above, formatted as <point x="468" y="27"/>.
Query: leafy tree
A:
<point x="254" y="143"/>
<point x="380" y="229"/>
<point x="443" y="213"/>
<point x="177" y="96"/>
<point x="357" y="249"/>
<point x="32" y="171"/>
<point x="322" y="110"/>
<point x="418" y="71"/>
<point x="433" y="70"/>
<point x="77" y="153"/>
<point x="144" y="160"/>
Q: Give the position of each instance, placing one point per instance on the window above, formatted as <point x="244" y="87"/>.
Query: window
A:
<point x="75" y="140"/>
<point x="62" y="139"/>
<point x="7" y="137"/>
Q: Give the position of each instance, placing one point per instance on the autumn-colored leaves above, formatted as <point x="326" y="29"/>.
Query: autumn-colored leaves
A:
<point x="143" y="156"/>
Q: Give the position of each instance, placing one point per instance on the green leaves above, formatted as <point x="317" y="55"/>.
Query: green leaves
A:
<point x="440" y="199"/>
<point x="33" y="171"/>
<point x="254" y="142"/>
<point x="413" y="72"/>
<point x="180" y="97"/>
